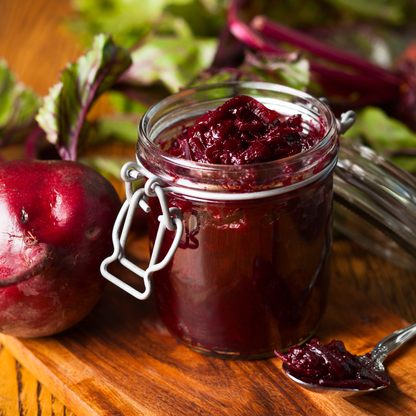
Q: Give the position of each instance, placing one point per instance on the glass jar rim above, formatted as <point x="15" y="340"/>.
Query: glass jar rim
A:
<point x="146" y="147"/>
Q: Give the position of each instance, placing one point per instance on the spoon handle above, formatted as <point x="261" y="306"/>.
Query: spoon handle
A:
<point x="393" y="341"/>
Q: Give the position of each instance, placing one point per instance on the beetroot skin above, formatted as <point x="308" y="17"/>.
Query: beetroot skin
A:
<point x="56" y="220"/>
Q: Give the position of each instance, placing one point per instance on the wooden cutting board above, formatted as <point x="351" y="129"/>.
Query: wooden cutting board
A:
<point x="121" y="360"/>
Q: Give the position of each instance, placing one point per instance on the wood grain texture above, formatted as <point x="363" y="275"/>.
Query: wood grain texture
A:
<point x="34" y="41"/>
<point x="121" y="361"/>
<point x="23" y="394"/>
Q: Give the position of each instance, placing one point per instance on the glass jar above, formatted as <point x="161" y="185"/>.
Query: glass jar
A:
<point x="240" y="254"/>
<point x="250" y="275"/>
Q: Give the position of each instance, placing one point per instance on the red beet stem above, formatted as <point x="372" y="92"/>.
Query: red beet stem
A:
<point x="246" y="34"/>
<point x="282" y="33"/>
<point x="373" y="89"/>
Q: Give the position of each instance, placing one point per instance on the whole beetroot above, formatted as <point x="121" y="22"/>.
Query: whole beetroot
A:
<point x="56" y="219"/>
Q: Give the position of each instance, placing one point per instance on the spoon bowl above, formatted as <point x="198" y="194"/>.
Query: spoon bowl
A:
<point x="375" y="357"/>
<point x="329" y="391"/>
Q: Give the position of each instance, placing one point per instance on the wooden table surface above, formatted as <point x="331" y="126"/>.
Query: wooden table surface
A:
<point x="37" y="47"/>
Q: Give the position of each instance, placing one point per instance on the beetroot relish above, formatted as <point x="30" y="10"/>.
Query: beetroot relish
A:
<point x="331" y="365"/>
<point x="243" y="131"/>
<point x="250" y="276"/>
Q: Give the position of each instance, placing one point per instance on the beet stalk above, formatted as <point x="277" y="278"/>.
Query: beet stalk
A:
<point x="352" y="77"/>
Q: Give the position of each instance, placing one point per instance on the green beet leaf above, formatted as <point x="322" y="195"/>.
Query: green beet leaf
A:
<point x="64" y="110"/>
<point x="171" y="60"/>
<point x="386" y="135"/>
<point x="18" y="106"/>
<point x="290" y="69"/>
<point x="390" y="11"/>
<point x="170" y="41"/>
<point x="130" y="21"/>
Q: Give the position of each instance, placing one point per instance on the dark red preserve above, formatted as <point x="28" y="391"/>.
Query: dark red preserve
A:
<point x="331" y="365"/>
<point x="243" y="131"/>
<point x="251" y="272"/>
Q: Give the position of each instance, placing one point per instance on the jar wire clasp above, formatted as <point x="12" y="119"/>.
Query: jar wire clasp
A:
<point x="170" y="219"/>
<point x="347" y="120"/>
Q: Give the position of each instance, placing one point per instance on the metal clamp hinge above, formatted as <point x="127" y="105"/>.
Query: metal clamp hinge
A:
<point x="170" y="219"/>
<point x="347" y="120"/>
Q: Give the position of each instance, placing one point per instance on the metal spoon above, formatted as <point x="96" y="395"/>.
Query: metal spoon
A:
<point x="383" y="348"/>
